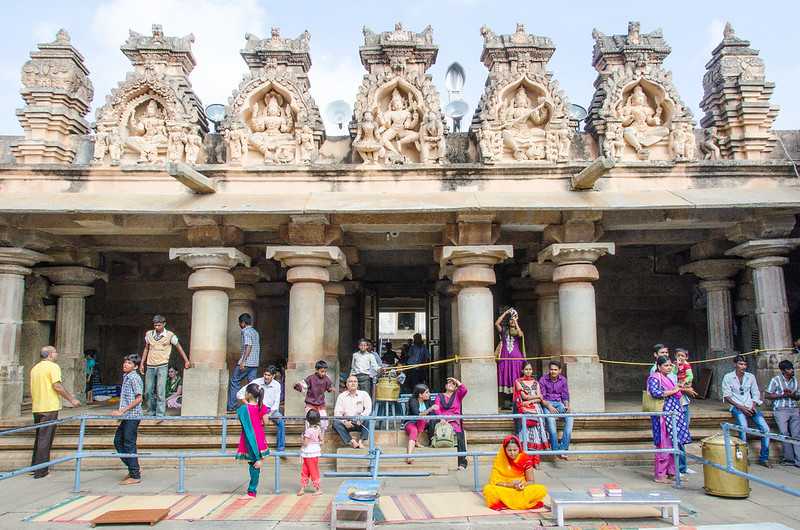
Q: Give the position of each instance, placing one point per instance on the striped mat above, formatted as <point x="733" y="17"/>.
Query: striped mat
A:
<point x="444" y="505"/>
<point x="82" y="509"/>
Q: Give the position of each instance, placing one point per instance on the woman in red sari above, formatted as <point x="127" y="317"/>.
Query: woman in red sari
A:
<point x="511" y="484"/>
<point x="528" y="400"/>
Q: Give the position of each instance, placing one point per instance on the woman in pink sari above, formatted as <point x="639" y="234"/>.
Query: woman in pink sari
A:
<point x="661" y="386"/>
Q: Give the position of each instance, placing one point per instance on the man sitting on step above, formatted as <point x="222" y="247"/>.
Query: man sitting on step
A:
<point x="352" y="405"/>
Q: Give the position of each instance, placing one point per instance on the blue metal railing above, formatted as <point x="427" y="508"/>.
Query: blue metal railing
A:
<point x="374" y="454"/>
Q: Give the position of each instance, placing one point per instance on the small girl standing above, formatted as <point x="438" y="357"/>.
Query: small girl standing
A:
<point x="253" y="443"/>
<point x="310" y="453"/>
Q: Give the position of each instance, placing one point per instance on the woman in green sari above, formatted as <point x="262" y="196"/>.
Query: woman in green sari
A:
<point x="253" y="443"/>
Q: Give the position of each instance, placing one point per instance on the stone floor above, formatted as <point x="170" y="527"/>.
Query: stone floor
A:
<point x="23" y="496"/>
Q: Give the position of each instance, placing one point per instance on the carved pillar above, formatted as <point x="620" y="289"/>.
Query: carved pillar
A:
<point x="272" y="308"/>
<point x="766" y="258"/>
<point x="15" y="264"/>
<point x="717" y="284"/>
<point x="308" y="272"/>
<point x="241" y="300"/>
<point x="574" y="274"/>
<point x="330" y="336"/>
<point x="347" y="338"/>
<point x="523" y="297"/>
<point x="205" y="386"/>
<point x="548" y="319"/>
<point x="72" y="286"/>
<point x="474" y="274"/>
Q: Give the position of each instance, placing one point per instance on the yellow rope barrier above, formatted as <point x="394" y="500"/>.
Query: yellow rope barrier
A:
<point x="457" y="358"/>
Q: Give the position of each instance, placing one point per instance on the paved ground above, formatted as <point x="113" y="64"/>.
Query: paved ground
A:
<point x="22" y="496"/>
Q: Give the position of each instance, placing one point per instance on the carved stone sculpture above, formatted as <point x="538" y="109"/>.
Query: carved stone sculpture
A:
<point x="736" y="100"/>
<point x="710" y="144"/>
<point x="636" y="112"/>
<point x="272" y="118"/>
<point x="397" y="106"/>
<point x="522" y="115"/>
<point x="57" y="93"/>
<point x="150" y="117"/>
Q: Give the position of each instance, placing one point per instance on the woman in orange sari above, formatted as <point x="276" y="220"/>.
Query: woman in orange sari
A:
<point x="511" y="484"/>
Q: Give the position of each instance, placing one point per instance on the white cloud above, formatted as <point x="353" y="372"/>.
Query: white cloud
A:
<point x="334" y="78"/>
<point x="218" y="27"/>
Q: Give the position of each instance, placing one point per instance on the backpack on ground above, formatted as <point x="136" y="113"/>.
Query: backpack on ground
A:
<point x="443" y="435"/>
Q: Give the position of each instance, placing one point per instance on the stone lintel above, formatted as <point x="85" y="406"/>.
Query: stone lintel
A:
<point x="572" y="253"/>
<point x="27" y="239"/>
<point x="18" y="260"/>
<point x="72" y="275"/>
<point x="762" y="248"/>
<point x="210" y="257"/>
<point x="541" y="272"/>
<point x="713" y="269"/>
<point x="307" y="256"/>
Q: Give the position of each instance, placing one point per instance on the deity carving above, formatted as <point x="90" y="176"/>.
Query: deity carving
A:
<point x="237" y="142"/>
<point x="397" y="118"/>
<point x="522" y="114"/>
<point x="710" y="144"/>
<point x="272" y="124"/>
<point x="152" y="116"/>
<point x="636" y="112"/>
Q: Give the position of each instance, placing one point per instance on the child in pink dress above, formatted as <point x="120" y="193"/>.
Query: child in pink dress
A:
<point x="253" y="442"/>
<point x="310" y="453"/>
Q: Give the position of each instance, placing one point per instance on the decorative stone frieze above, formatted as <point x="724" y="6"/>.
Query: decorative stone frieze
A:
<point x="523" y="113"/>
<point x="57" y="93"/>
<point x="636" y="112"/>
<point x="153" y="116"/>
<point x="271" y="117"/>
<point x="736" y="100"/>
<point x="397" y="117"/>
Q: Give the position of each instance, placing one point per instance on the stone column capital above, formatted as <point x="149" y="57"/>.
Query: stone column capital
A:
<point x="767" y="261"/>
<point x="541" y="272"/>
<point x="575" y="253"/>
<point x="15" y="260"/>
<point x="717" y="285"/>
<point x="305" y="256"/>
<point x="713" y="269"/>
<point x="72" y="275"/>
<point x="247" y="275"/>
<point x="224" y="258"/>
<point x="473" y="263"/>
<point x="762" y="248"/>
<point x="71" y="291"/>
<point x="334" y="290"/>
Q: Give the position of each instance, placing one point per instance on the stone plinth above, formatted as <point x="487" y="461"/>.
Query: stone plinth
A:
<point x="574" y="274"/>
<point x="766" y="258"/>
<point x="716" y="283"/>
<point x="474" y="274"/>
<point x="15" y="264"/>
<point x="205" y="385"/>
<point x="308" y="273"/>
<point x="72" y="286"/>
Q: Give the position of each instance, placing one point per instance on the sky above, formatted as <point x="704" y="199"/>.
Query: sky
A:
<point x="692" y="28"/>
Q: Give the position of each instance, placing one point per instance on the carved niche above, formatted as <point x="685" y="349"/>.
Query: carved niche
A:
<point x="636" y="112"/>
<point x="522" y="114"/>
<point x="736" y="100"/>
<point x="57" y="93"/>
<point x="397" y="118"/>
<point x="153" y="116"/>
<point x="271" y="117"/>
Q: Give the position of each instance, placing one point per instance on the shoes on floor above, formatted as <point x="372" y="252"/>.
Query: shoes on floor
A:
<point x="690" y="471"/>
<point x="765" y="463"/>
<point x="130" y="481"/>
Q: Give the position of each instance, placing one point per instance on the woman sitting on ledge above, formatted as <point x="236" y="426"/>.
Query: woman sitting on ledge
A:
<point x="511" y="483"/>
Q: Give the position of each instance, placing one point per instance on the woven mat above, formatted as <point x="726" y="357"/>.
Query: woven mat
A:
<point x="84" y="508"/>
<point x="445" y="505"/>
<point x="290" y="507"/>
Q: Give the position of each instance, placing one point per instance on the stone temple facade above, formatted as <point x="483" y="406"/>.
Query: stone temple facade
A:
<point x="632" y="228"/>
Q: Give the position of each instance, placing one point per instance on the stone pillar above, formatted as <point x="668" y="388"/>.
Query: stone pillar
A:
<point x="308" y="272"/>
<point x="15" y="264"/>
<point x="574" y="274"/>
<point x="72" y="286"/>
<point x="523" y="297"/>
<point x="241" y="300"/>
<point x="716" y="282"/>
<point x="548" y="319"/>
<point x="330" y="336"/>
<point x="272" y="308"/>
<point x="347" y="338"/>
<point x="454" y="369"/>
<point x="766" y="258"/>
<point x="205" y="386"/>
<point x="474" y="274"/>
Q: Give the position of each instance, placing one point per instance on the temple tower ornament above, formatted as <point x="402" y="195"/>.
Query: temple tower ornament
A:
<point x="153" y="116"/>
<point x="271" y="117"/>
<point x="397" y="117"/>
<point x="636" y="112"/>
<point x="738" y="115"/>
<point x="57" y="93"/>
<point x="522" y="115"/>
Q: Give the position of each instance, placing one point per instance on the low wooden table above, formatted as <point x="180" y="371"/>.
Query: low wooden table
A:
<point x="343" y="503"/>
<point x="658" y="499"/>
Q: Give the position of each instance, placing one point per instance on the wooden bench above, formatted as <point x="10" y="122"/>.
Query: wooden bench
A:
<point x="360" y="512"/>
<point x="658" y="499"/>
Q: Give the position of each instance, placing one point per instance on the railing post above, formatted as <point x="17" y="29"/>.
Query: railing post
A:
<point x="675" y="448"/>
<point x="76" y="486"/>
<point x="726" y="438"/>
<point x="224" y="444"/>
<point x="376" y="463"/>
<point x="181" y="473"/>
<point x="524" y="421"/>
<point x="277" y="474"/>
<point x="475" y="473"/>
<point x="371" y="430"/>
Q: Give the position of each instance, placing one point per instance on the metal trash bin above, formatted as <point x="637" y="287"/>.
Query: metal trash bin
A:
<point x="721" y="483"/>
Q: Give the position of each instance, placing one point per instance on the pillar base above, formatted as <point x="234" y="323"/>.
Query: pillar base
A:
<point x="11" y="377"/>
<point x="73" y="376"/>
<point x="205" y="391"/>
<point x="586" y="386"/>
<point x="481" y="379"/>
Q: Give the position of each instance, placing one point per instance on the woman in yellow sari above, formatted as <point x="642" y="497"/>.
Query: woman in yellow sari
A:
<point x="511" y="483"/>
